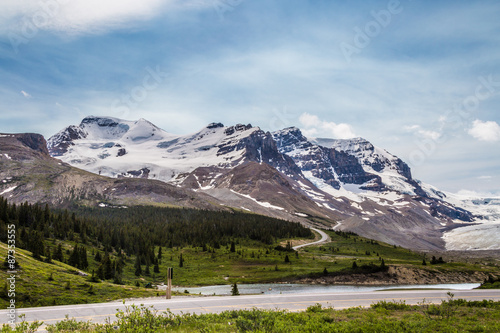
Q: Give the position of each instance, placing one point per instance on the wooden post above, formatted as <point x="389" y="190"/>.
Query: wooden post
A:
<point x="169" y="283"/>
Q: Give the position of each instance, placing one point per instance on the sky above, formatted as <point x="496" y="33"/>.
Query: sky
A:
<point x="418" y="78"/>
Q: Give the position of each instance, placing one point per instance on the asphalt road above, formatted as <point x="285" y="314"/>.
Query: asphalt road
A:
<point x="324" y="238"/>
<point x="293" y="302"/>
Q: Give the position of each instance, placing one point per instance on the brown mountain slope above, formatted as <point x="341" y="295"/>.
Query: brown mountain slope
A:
<point x="28" y="173"/>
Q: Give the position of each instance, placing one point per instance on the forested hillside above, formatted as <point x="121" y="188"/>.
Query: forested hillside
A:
<point x="137" y="230"/>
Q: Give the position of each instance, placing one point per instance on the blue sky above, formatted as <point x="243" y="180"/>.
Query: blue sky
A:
<point x="418" y="78"/>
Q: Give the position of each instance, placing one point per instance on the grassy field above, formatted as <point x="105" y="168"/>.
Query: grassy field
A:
<point x="449" y="316"/>
<point x="39" y="283"/>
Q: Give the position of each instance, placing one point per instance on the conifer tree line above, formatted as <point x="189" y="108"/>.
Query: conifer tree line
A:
<point x="133" y="231"/>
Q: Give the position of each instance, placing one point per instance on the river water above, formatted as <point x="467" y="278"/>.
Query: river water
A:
<point x="278" y="288"/>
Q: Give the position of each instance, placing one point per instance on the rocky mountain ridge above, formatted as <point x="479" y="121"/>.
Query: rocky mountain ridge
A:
<point x="344" y="184"/>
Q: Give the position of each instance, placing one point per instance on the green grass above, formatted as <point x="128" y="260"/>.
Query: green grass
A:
<point x="487" y="285"/>
<point x="449" y="316"/>
<point x="34" y="286"/>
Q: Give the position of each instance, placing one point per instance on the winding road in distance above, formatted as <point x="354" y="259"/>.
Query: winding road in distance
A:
<point x="293" y="302"/>
<point x="324" y="238"/>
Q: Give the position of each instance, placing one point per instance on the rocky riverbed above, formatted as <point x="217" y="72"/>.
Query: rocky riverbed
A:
<point x="400" y="275"/>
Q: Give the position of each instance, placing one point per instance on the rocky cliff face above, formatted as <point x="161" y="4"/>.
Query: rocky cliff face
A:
<point x="330" y="165"/>
<point x="35" y="142"/>
<point x="24" y="146"/>
<point x="371" y="157"/>
<point x="58" y="144"/>
<point x="342" y="163"/>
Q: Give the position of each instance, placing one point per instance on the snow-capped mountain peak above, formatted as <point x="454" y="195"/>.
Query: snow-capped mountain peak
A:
<point x="117" y="129"/>
<point x="369" y="189"/>
<point x="119" y="148"/>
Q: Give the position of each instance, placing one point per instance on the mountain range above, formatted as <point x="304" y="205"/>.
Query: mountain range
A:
<point x="342" y="184"/>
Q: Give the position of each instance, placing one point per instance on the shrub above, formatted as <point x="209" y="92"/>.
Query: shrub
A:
<point x="394" y="305"/>
<point x="314" y="308"/>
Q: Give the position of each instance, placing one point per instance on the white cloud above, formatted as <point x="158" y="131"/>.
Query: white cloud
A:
<point x="485" y="130"/>
<point x="476" y="194"/>
<point x="314" y="126"/>
<point x="433" y="135"/>
<point x="25" y="94"/>
<point x="309" y="120"/>
<point x="484" y="177"/>
<point x="81" y="16"/>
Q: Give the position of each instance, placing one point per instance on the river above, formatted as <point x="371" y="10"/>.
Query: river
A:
<point x="279" y="288"/>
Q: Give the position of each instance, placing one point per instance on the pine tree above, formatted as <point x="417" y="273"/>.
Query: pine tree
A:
<point x="117" y="278"/>
<point x="83" y="258"/>
<point x="37" y="244"/>
<point x="233" y="247"/>
<point x="181" y="261"/>
<point x="108" y="267"/>
<point x="58" y="253"/>
<point x="74" y="258"/>
<point x="48" y="258"/>
<point x="94" y="278"/>
<point x="46" y="213"/>
<point x="119" y="266"/>
<point x="234" y="290"/>
<point x="287" y="260"/>
<point x="138" y="269"/>
<point x="159" y="253"/>
<point x="100" y="272"/>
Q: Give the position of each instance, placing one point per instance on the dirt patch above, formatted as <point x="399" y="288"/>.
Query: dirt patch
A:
<point x="400" y="275"/>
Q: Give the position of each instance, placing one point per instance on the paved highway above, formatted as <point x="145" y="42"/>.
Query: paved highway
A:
<point x="324" y="239"/>
<point x="213" y="304"/>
